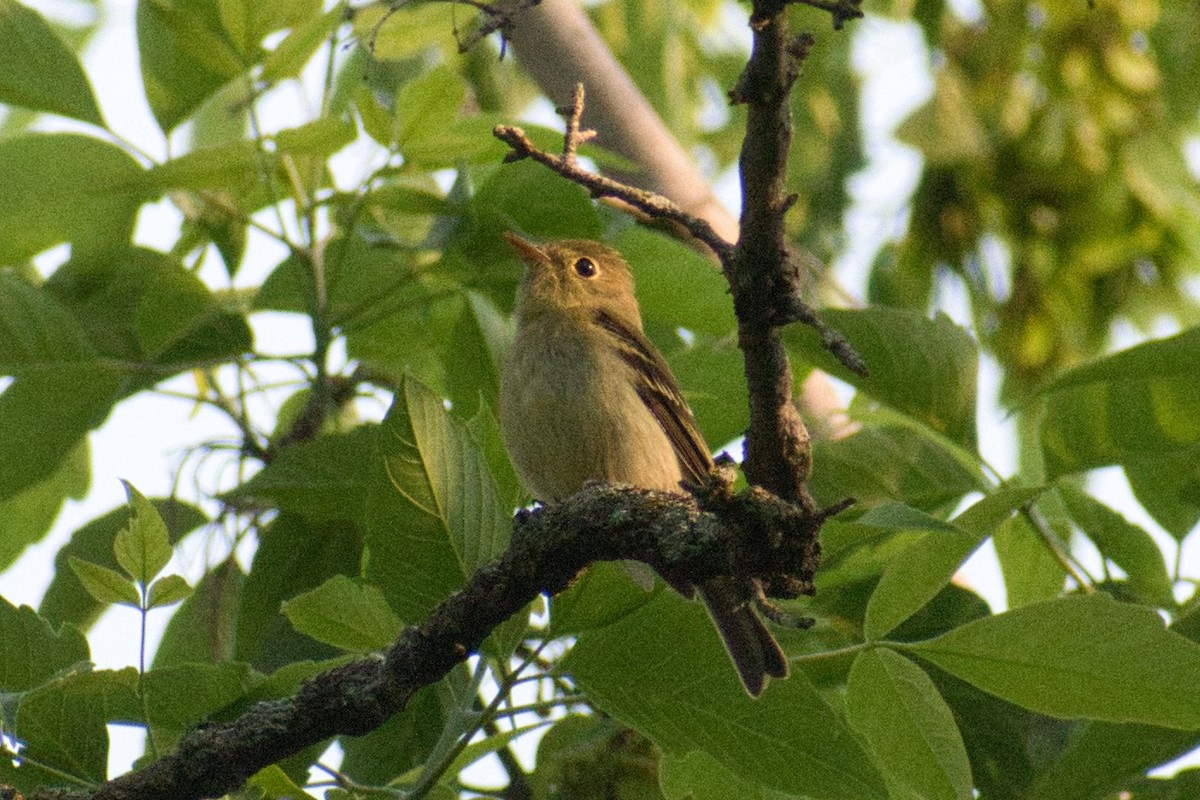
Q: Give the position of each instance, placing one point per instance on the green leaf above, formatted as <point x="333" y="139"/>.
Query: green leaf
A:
<point x="66" y="600"/>
<point x="1083" y="657"/>
<point x="62" y="725"/>
<point x="663" y="672"/>
<point x="324" y="479"/>
<point x="273" y="783"/>
<point x="290" y="56"/>
<point x="294" y="556"/>
<point x="1031" y="572"/>
<point x="38" y="71"/>
<point x="34" y="328"/>
<point x="345" y="614"/>
<point x="1140" y="403"/>
<point x="179" y="697"/>
<point x="64" y="187"/>
<point x="1129" y="546"/>
<point x="876" y="465"/>
<point x="603" y="594"/>
<point x="925" y="368"/>
<point x="185" y="56"/>
<point x="167" y="591"/>
<point x="661" y="265"/>
<point x="698" y="776"/>
<point x="139" y="305"/>
<point x="105" y="585"/>
<point x="1099" y="759"/>
<point x="1168" y="486"/>
<point x="203" y="629"/>
<point x="26" y="517"/>
<point x="917" y="573"/>
<point x="142" y="547"/>
<point x="31" y="651"/>
<point x="474" y="354"/>
<point x="425" y="109"/>
<point x="433" y="462"/>
<point x="45" y="414"/>
<point x="896" y="708"/>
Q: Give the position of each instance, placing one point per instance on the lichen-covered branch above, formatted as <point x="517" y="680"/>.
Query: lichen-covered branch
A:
<point x="751" y="534"/>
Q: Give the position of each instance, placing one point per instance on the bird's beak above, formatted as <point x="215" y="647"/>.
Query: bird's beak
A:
<point x="529" y="252"/>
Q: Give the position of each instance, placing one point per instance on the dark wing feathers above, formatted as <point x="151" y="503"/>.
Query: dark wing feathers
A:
<point x="659" y="391"/>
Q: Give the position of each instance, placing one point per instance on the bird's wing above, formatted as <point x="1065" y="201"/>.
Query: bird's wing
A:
<point x="658" y="389"/>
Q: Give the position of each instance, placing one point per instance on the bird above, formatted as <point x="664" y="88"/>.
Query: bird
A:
<point x="585" y="396"/>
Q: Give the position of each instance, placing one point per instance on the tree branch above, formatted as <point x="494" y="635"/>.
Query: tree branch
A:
<point x="750" y="535"/>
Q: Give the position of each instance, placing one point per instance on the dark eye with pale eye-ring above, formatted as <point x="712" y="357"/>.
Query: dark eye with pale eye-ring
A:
<point x="585" y="268"/>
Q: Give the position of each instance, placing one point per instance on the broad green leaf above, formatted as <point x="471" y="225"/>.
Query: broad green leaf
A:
<point x="698" y="776"/>
<point x="1080" y="657"/>
<point x="62" y="725"/>
<point x="142" y="548"/>
<point x="37" y="70"/>
<point x="663" y="672"/>
<point x="474" y="354"/>
<point x="105" y="585"/>
<point x="66" y="600"/>
<point x="896" y="708"/>
<point x="31" y="651"/>
<point x="322" y="137"/>
<point x="185" y="55"/>
<point x="34" y="328"/>
<point x="1031" y="572"/>
<point x="1168" y="487"/>
<point x="233" y="166"/>
<point x="139" y="305"/>
<point x="167" y="591"/>
<point x="273" y="783"/>
<point x="64" y="187"/>
<point x="179" y="697"/>
<point x="1103" y="755"/>
<point x="712" y="374"/>
<point x="529" y="199"/>
<point x="202" y="630"/>
<point x="485" y="430"/>
<point x="290" y="55"/>
<point x="246" y="22"/>
<point x="345" y="614"/>
<point x="917" y="573"/>
<point x="603" y="594"/>
<point x="45" y="414"/>
<point x="923" y="367"/>
<point x="876" y="465"/>
<point x="294" y="555"/>
<point x="433" y="462"/>
<point x="324" y="479"/>
<point x="1126" y="544"/>
<point x="26" y="517"/>
<point x="661" y="266"/>
<point x="425" y="109"/>
<point x="897" y="516"/>
<point x="1140" y="403"/>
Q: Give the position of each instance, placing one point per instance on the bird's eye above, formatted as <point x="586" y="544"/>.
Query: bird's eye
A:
<point x="585" y="268"/>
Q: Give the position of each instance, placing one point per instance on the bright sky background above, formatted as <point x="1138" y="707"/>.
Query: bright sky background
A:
<point x="145" y="433"/>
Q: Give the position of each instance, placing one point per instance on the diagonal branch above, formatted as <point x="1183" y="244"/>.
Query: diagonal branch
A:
<point x="749" y="535"/>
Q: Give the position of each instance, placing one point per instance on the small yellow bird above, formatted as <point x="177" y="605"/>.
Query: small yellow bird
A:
<point x="585" y="396"/>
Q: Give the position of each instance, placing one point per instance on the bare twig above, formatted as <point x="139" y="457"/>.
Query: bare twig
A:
<point x="566" y="165"/>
